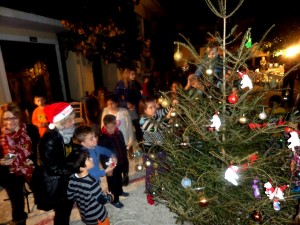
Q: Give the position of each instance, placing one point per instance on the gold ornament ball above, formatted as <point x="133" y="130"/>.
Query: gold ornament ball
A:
<point x="165" y="103"/>
<point x="203" y="201"/>
<point x="155" y="165"/>
<point x="139" y="167"/>
<point x="152" y="156"/>
<point x="243" y="120"/>
<point x="173" y="114"/>
<point x="178" y="56"/>
<point x="160" y="100"/>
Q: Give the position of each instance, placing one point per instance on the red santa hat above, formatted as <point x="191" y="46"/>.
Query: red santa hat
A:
<point x="56" y="112"/>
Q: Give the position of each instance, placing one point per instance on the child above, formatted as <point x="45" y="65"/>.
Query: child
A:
<point x="113" y="139"/>
<point x="86" y="136"/>
<point x="87" y="192"/>
<point x="39" y="118"/>
<point x="152" y="122"/>
<point x="135" y="120"/>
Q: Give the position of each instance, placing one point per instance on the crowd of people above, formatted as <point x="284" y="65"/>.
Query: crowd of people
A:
<point x="62" y="162"/>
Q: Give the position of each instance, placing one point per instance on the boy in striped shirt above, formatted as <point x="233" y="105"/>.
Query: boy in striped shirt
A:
<point x="87" y="192"/>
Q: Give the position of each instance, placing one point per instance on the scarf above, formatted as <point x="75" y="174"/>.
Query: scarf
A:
<point x="19" y="143"/>
<point x="67" y="134"/>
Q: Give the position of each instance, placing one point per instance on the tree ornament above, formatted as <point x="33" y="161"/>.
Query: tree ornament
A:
<point x="255" y="188"/>
<point x="249" y="41"/>
<point x="178" y="55"/>
<point x="152" y="156"/>
<point x="155" y="165"/>
<point x="243" y="119"/>
<point x="231" y="174"/>
<point x="173" y="113"/>
<point x="209" y="71"/>
<point x="138" y="153"/>
<point x="262" y="115"/>
<point x="139" y="167"/>
<point x="293" y="140"/>
<point x="203" y="202"/>
<point x="160" y="100"/>
<point x="233" y="98"/>
<point x="276" y="204"/>
<point x="216" y="122"/>
<point x="246" y="81"/>
<point x="186" y="182"/>
<point x="297" y="174"/>
<point x="256" y="216"/>
<point x="148" y="163"/>
<point x="165" y="103"/>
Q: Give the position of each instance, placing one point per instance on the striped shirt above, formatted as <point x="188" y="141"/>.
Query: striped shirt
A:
<point x="90" y="200"/>
<point x="152" y="127"/>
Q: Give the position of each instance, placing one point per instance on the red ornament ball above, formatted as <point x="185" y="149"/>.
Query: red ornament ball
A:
<point x="256" y="216"/>
<point x="288" y="129"/>
<point x="233" y="98"/>
<point x="203" y="202"/>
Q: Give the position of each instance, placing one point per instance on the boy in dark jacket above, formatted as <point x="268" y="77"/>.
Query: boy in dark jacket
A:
<point x="112" y="138"/>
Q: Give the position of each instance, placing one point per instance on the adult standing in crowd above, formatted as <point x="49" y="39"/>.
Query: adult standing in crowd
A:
<point x="128" y="88"/>
<point x="18" y="157"/>
<point x="50" y="180"/>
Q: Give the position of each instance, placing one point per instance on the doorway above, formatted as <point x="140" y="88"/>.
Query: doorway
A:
<point x="31" y="69"/>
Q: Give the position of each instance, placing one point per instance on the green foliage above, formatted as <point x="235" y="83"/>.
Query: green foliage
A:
<point x="113" y="34"/>
<point x="201" y="155"/>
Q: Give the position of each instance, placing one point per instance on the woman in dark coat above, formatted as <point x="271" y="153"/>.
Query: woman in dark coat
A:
<point x="50" y="179"/>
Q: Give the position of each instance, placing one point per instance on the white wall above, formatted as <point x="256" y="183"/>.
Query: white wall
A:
<point x="80" y="75"/>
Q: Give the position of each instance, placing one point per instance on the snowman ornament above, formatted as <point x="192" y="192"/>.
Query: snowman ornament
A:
<point x="246" y="81"/>
<point x="216" y="122"/>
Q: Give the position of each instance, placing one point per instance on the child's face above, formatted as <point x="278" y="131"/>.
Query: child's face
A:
<point x="132" y="75"/>
<point x="39" y="101"/>
<point x="130" y="105"/>
<point x="111" y="127"/>
<point x="151" y="109"/>
<point x="111" y="105"/>
<point x="90" y="141"/>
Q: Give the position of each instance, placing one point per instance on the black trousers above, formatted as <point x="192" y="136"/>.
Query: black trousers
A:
<point x="14" y="186"/>
<point x="114" y="182"/>
<point x="63" y="212"/>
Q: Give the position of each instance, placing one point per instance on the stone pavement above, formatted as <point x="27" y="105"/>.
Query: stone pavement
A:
<point x="136" y="210"/>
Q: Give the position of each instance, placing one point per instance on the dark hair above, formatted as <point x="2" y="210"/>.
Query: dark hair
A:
<point x="81" y="132"/>
<point x="212" y="44"/>
<point x="144" y="103"/>
<point x="113" y="98"/>
<point x="109" y="118"/>
<point x="78" y="159"/>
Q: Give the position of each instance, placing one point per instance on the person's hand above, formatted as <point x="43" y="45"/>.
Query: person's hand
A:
<point x="6" y="161"/>
<point x="169" y="113"/>
<point x="112" y="196"/>
<point x="109" y="170"/>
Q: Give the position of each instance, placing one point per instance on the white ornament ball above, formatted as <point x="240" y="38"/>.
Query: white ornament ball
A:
<point x="186" y="182"/>
<point x="262" y="116"/>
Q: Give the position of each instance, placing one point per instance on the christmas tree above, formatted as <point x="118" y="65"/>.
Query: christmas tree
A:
<point x="227" y="161"/>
